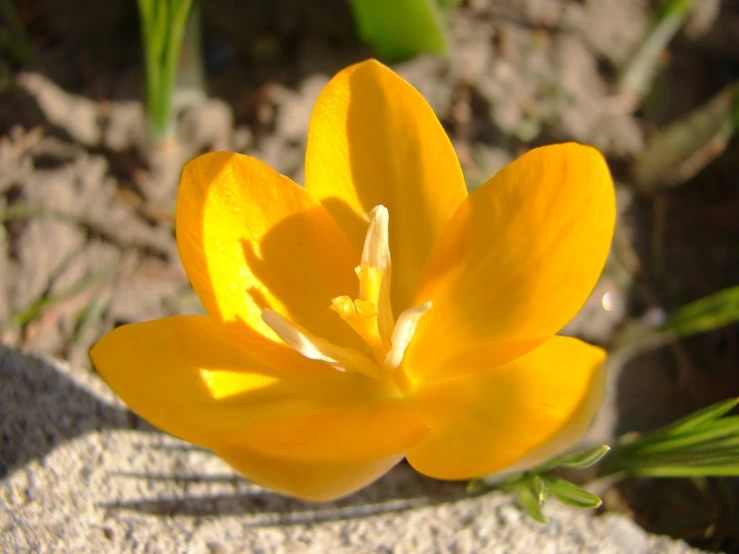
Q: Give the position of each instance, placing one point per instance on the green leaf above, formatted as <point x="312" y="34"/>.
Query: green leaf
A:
<point x="14" y="35"/>
<point x="727" y="446"/>
<point x="528" y="499"/>
<point x="679" y="7"/>
<point x="706" y="314"/>
<point x="569" y="493"/>
<point x="581" y="460"/>
<point x="705" y="434"/>
<point x="447" y="5"/>
<point x="400" y="29"/>
<point x="538" y="487"/>
<point x="727" y="469"/>
<point x="700" y="417"/>
<point x="162" y="29"/>
<point x="476" y="485"/>
<point x="703" y="444"/>
<point x="636" y="79"/>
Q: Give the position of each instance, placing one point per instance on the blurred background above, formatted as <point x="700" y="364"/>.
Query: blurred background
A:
<point x="102" y="102"/>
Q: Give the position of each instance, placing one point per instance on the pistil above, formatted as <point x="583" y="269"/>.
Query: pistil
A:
<point x="370" y="316"/>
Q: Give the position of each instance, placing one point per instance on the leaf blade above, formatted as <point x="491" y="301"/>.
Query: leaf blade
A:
<point x="705" y="314"/>
<point x="570" y="494"/>
<point x="529" y="501"/>
<point x="580" y="460"/>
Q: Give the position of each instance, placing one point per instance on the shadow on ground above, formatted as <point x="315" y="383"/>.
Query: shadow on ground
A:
<point x="42" y="407"/>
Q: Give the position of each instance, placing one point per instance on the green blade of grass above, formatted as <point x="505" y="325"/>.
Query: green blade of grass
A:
<point x="580" y="460"/>
<point x="706" y="314"/>
<point x="651" y="444"/>
<point x="179" y="12"/>
<point x="162" y="29"/>
<point x="700" y="316"/>
<point x="667" y="471"/>
<point x="14" y="36"/>
<point x="700" y="418"/>
<point x="703" y="444"/>
<point x="636" y="79"/>
<point x="729" y="445"/>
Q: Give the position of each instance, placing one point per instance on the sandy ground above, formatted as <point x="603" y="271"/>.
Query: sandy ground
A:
<point x="85" y="475"/>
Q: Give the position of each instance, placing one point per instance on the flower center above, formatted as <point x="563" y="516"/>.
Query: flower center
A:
<point x="370" y="315"/>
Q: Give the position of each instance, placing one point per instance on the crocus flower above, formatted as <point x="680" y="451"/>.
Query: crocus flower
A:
<point x="380" y="312"/>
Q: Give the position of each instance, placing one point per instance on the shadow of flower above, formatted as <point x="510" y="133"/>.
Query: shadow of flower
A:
<point x="41" y="408"/>
<point x="402" y="489"/>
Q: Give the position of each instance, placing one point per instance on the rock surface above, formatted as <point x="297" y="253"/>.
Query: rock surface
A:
<point x="80" y="473"/>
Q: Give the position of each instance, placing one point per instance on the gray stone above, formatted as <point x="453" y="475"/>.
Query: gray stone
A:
<point x="296" y="107"/>
<point x="126" y="126"/>
<point x="81" y="474"/>
<point x="615" y="29"/>
<point x="76" y="115"/>
<point x="206" y="125"/>
<point x="430" y="76"/>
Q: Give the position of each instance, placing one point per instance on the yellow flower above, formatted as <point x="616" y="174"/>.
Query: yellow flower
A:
<point x="380" y="312"/>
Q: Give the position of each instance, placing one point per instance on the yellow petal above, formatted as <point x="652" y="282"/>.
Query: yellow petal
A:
<point x="315" y="481"/>
<point x="516" y="262"/>
<point x="574" y="430"/>
<point x="349" y="433"/>
<point x="197" y="378"/>
<point x="373" y="140"/>
<point x="251" y="239"/>
<point x="215" y="384"/>
<point x="520" y="413"/>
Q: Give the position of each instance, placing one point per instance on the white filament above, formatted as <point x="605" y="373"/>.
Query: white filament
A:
<point x="403" y="333"/>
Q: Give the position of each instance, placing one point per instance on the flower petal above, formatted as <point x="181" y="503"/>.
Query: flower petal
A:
<point x="517" y="414"/>
<point x="251" y="239"/>
<point x="349" y="433"/>
<point x="216" y="384"/>
<point x="320" y="481"/>
<point x="516" y="262"/>
<point x="373" y="140"/>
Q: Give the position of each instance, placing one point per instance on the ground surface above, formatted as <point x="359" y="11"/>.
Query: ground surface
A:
<point x="85" y="476"/>
<point x="86" y="239"/>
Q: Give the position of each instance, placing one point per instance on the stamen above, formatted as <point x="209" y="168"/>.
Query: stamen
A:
<point x="370" y="315"/>
<point x="385" y="319"/>
<point x="316" y="348"/>
<point x="375" y="270"/>
<point x="376" y="252"/>
<point x="362" y="317"/>
<point x="403" y="333"/>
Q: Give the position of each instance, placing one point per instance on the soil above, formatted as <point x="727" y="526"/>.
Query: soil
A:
<point x="86" y="237"/>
